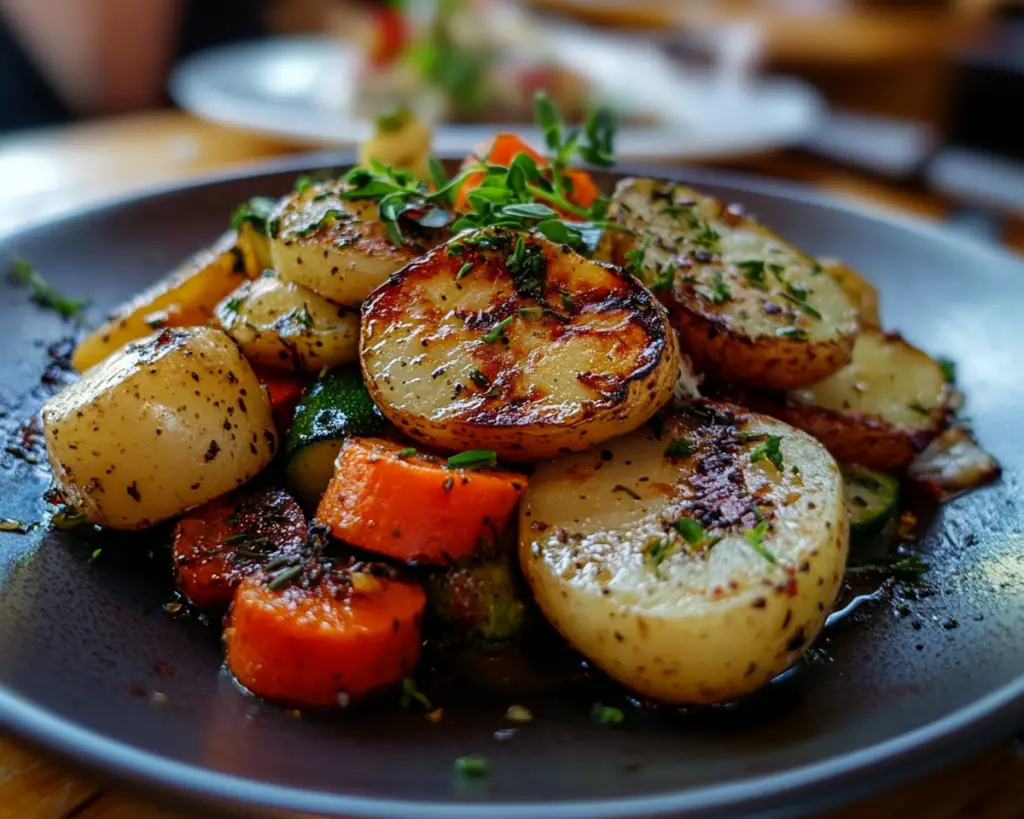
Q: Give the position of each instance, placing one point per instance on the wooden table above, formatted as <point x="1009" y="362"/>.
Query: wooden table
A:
<point x="53" y="172"/>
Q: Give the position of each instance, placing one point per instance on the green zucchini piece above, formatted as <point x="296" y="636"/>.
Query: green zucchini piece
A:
<point x="872" y="499"/>
<point x="336" y="407"/>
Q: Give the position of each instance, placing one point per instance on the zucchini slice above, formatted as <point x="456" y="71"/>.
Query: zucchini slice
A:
<point x="872" y="499"/>
<point x="334" y="408"/>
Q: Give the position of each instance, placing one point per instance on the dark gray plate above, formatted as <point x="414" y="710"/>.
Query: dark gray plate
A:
<point x="83" y="647"/>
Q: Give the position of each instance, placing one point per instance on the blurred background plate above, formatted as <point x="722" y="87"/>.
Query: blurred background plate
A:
<point x="302" y="88"/>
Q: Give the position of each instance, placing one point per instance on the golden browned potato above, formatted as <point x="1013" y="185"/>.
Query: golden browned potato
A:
<point x="749" y="307"/>
<point x="860" y="290"/>
<point x="694" y="566"/>
<point x="879" y="410"/>
<point x="169" y="422"/>
<point x="340" y="248"/>
<point x="284" y="325"/>
<point x="255" y="249"/>
<point x="512" y="343"/>
<point x="185" y="298"/>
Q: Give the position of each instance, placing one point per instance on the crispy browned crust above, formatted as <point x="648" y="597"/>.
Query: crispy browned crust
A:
<point x="768" y="363"/>
<point x="506" y="411"/>
<point x="851" y="437"/>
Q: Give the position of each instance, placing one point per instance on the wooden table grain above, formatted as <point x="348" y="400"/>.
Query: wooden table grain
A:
<point x="48" y="173"/>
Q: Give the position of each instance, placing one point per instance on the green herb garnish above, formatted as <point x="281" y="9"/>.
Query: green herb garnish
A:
<point x="405" y="453"/>
<point x="919" y="409"/>
<point x="607" y="715"/>
<point x="45" y="294"/>
<point x="528" y="269"/>
<point x="720" y="292"/>
<point x="657" y="552"/>
<point x="690" y="531"/>
<point x="770" y="450"/>
<point x="256" y="212"/>
<point x="910" y="565"/>
<point x="678" y="448"/>
<point x="792" y="333"/>
<point x="755" y="538"/>
<point x="464" y="270"/>
<point x="635" y="257"/>
<point x="753" y="272"/>
<point x="473" y="459"/>
<point x="410" y="694"/>
<point x="284" y="578"/>
<point x="706" y="237"/>
<point x="497" y="331"/>
<point x="473" y="765"/>
<point x="67" y="519"/>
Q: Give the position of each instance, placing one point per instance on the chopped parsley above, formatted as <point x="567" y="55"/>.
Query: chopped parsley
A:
<point x="663" y="278"/>
<point x="473" y="765"/>
<point x="755" y="538"/>
<point x="528" y="268"/>
<point x="45" y="294"/>
<point x="607" y="715"/>
<point x="657" y="552"/>
<point x="635" y="257"/>
<point x="255" y="212"/>
<point x="473" y="459"/>
<point x="410" y="694"/>
<point x="497" y="331"/>
<point x="464" y="270"/>
<point x="706" y="237"/>
<point x="405" y="453"/>
<point x="678" y="448"/>
<point x="910" y="565"/>
<point x="769" y="450"/>
<point x="234" y="305"/>
<point x="302" y="317"/>
<point x="792" y="333"/>
<point x="798" y="295"/>
<point x="753" y="272"/>
<point x="720" y="292"/>
<point x="690" y="531"/>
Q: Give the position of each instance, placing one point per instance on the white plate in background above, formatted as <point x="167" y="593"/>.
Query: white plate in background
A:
<point x="301" y="88"/>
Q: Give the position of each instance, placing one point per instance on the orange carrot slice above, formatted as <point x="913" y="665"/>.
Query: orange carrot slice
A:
<point x="219" y="543"/>
<point x="412" y="507"/>
<point x="326" y="641"/>
<point x="501" y="151"/>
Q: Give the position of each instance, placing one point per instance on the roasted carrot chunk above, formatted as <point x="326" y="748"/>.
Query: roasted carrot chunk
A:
<point x="505" y="148"/>
<point x="217" y="544"/>
<point x="413" y="507"/>
<point x="328" y="638"/>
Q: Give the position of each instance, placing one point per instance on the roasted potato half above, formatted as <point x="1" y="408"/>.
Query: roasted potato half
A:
<point x="860" y="291"/>
<point x="185" y="298"/>
<point x="509" y="342"/>
<point x="749" y="307"/>
<point x="694" y="566"/>
<point x="340" y="248"/>
<point x="167" y="423"/>
<point x="879" y="410"/>
<point x="255" y="249"/>
<point x="284" y="325"/>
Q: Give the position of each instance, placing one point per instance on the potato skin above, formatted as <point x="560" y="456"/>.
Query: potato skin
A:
<point x="864" y="413"/>
<point x="708" y="623"/>
<point x="185" y="298"/>
<point x="749" y="307"/>
<point x="340" y="248"/>
<point x="286" y="326"/>
<point x="593" y="358"/>
<point x="165" y="424"/>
